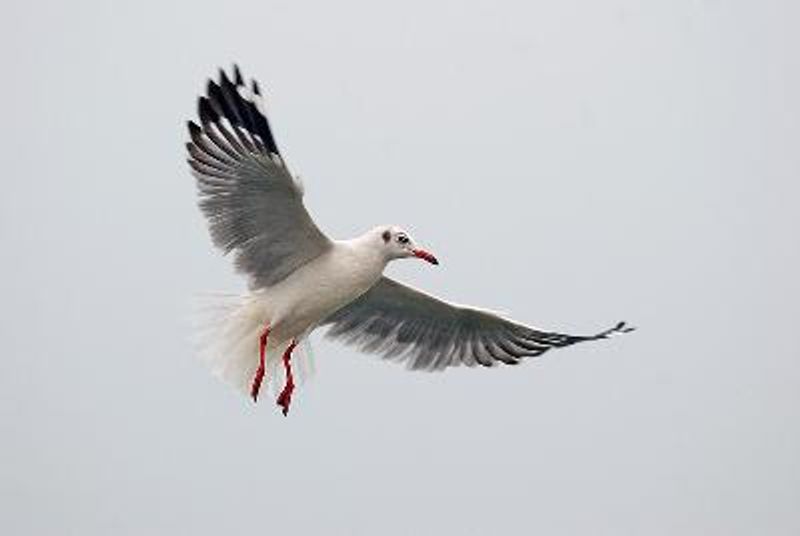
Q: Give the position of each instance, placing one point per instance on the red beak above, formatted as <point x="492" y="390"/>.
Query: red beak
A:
<point x="424" y="255"/>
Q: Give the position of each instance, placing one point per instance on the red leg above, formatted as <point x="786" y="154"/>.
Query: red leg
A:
<point x="259" y="377"/>
<point x="285" y="398"/>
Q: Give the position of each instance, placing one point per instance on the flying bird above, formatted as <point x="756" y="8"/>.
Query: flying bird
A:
<point x="299" y="279"/>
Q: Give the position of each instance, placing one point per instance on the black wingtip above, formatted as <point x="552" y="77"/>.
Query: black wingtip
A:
<point x="226" y="99"/>
<point x="621" y="327"/>
<point x="211" y="87"/>
<point x="223" y="78"/>
<point x="194" y="128"/>
<point x="206" y="111"/>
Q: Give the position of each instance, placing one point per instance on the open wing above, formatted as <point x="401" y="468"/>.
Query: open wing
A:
<point x="404" y="324"/>
<point x="253" y="204"/>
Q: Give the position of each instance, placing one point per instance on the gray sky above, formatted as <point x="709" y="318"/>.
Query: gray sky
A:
<point x="572" y="163"/>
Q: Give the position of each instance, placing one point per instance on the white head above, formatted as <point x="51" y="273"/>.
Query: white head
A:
<point x="398" y="244"/>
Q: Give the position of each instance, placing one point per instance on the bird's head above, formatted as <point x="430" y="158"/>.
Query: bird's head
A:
<point x="398" y="244"/>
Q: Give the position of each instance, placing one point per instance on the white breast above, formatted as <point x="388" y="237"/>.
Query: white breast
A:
<point x="321" y="287"/>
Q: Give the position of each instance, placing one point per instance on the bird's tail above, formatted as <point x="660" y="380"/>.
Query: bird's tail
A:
<point x="227" y="332"/>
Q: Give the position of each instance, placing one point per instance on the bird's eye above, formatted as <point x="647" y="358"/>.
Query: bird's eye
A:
<point x="403" y="239"/>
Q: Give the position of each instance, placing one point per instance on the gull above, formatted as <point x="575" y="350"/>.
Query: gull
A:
<point x="300" y="280"/>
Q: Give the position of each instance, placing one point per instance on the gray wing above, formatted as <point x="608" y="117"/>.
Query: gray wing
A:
<point x="253" y="204"/>
<point x="404" y="324"/>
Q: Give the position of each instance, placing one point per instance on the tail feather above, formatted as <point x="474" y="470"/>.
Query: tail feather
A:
<point x="227" y="332"/>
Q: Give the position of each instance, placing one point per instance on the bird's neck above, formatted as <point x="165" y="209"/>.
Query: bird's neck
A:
<point x="365" y="253"/>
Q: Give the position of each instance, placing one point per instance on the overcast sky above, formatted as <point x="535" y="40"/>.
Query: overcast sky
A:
<point x="571" y="163"/>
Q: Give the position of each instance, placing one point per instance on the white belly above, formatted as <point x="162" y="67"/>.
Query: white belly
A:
<point x="319" y="288"/>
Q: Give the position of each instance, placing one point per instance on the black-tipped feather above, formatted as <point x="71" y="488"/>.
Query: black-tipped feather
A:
<point x="233" y="101"/>
<point x="206" y="112"/>
<point x="262" y="124"/>
<point x="245" y="107"/>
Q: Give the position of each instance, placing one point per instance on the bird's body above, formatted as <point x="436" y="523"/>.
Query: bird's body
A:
<point x="300" y="279"/>
<point x="319" y="288"/>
